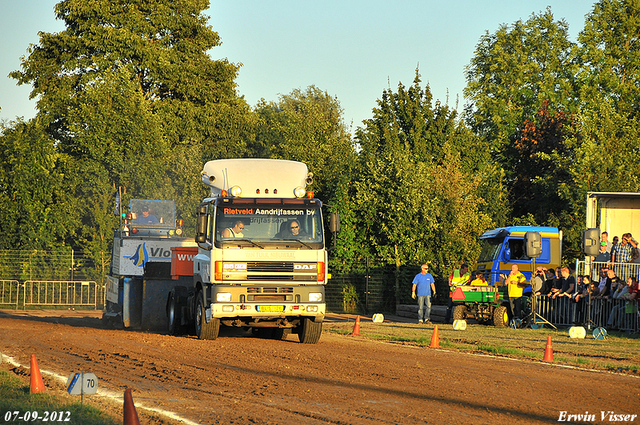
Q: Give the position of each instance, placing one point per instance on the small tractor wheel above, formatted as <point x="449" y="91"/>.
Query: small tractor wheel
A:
<point x="501" y="316"/>
<point x="460" y="312"/>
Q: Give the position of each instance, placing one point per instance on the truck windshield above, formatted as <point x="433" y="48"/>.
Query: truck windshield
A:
<point x="269" y="223"/>
<point x="490" y="250"/>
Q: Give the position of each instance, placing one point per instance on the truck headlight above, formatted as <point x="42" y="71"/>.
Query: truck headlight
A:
<point x="299" y="192"/>
<point x="315" y="297"/>
<point x="223" y="297"/>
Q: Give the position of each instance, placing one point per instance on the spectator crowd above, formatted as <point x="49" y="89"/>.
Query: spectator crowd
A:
<point x="614" y="278"/>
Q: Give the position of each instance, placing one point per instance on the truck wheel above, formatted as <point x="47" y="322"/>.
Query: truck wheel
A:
<point x="460" y="312"/>
<point x="174" y="315"/>
<point x="500" y="316"/>
<point x="310" y="331"/>
<point x="205" y="330"/>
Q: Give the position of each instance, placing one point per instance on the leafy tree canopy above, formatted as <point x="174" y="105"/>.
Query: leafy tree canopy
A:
<point x="513" y="72"/>
<point x="416" y="190"/>
<point x="307" y="126"/>
<point x="610" y="55"/>
<point x="131" y="98"/>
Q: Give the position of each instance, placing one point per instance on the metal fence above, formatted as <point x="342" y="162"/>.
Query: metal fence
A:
<point x="375" y="286"/>
<point x="52" y="279"/>
<point x="605" y="312"/>
<point x="60" y="293"/>
<point x="10" y="292"/>
<point x="592" y="313"/>
<point x="593" y="269"/>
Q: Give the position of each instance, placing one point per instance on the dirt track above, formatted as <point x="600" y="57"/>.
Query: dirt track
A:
<point x="341" y="380"/>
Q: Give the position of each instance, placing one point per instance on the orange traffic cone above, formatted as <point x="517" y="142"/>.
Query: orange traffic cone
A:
<point x="356" y="327"/>
<point x="130" y="413"/>
<point x="435" y="340"/>
<point x="548" y="352"/>
<point x="37" y="386"/>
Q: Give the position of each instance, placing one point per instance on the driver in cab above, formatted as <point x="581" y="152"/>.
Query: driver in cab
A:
<point x="234" y="231"/>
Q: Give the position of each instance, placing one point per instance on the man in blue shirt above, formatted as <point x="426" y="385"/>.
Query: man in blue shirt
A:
<point x="423" y="288"/>
<point x="146" y="217"/>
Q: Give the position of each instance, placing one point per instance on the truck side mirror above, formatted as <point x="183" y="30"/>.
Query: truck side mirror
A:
<point x="334" y="223"/>
<point x="507" y="255"/>
<point x="201" y="224"/>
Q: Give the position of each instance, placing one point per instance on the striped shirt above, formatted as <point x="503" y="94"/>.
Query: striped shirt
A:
<point x="622" y="253"/>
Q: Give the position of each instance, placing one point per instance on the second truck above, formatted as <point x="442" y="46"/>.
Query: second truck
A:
<point x="261" y="260"/>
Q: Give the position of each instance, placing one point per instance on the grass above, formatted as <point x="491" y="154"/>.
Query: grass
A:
<point x="16" y="400"/>
<point x="617" y="353"/>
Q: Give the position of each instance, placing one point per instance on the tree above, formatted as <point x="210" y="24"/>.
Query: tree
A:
<point x="307" y="126"/>
<point x="32" y="212"/>
<point x="524" y="105"/>
<point x="415" y="192"/>
<point x="513" y="73"/>
<point x="129" y="91"/>
<point x="610" y="56"/>
<point x="606" y="146"/>
<point x="545" y="148"/>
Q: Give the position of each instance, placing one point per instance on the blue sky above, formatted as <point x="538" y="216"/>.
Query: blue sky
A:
<point x="351" y="49"/>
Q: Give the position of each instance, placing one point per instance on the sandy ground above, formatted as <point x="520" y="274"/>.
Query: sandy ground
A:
<point x="240" y="379"/>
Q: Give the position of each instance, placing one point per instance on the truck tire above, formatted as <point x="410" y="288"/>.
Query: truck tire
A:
<point x="309" y="331"/>
<point x="174" y="315"/>
<point x="500" y="316"/>
<point x="205" y="330"/>
<point x="460" y="312"/>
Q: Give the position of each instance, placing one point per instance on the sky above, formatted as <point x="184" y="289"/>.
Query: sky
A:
<point x="352" y="49"/>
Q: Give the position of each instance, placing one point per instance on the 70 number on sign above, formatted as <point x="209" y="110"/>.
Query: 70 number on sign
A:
<point x="81" y="383"/>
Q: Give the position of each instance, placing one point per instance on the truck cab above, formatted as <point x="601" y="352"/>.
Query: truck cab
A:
<point x="504" y="247"/>
<point x="261" y="261"/>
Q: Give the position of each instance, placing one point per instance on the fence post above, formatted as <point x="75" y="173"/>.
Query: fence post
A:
<point x="72" y="264"/>
<point x="366" y="285"/>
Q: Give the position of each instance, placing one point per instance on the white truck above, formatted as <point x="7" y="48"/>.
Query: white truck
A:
<point x="261" y="262"/>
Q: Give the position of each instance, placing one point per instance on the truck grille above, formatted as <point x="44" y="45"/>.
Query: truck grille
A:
<point x="269" y="267"/>
<point x="269" y="298"/>
<point x="273" y="271"/>
<point x="269" y="290"/>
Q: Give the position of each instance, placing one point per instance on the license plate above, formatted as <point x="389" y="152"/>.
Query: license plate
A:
<point x="278" y="308"/>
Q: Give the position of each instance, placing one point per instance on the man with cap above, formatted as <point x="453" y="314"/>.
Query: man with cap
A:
<point x="424" y="287"/>
<point x="603" y="256"/>
<point x="146" y="217"/>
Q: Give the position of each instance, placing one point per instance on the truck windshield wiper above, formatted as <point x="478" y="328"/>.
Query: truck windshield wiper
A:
<point x="233" y="241"/>
<point x="295" y="240"/>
